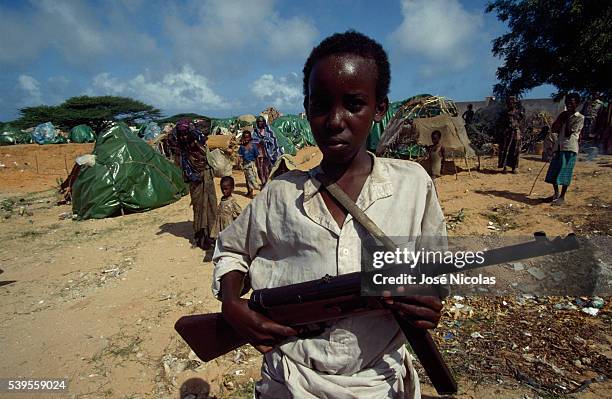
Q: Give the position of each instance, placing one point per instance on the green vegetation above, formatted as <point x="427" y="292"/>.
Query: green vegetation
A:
<point x="566" y="43"/>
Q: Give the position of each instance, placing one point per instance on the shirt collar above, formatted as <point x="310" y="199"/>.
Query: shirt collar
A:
<point x="378" y="185"/>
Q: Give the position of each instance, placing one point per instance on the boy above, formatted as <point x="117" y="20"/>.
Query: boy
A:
<point x="567" y="126"/>
<point x="435" y="154"/>
<point x="248" y="153"/>
<point x="294" y="232"/>
<point x="228" y="209"/>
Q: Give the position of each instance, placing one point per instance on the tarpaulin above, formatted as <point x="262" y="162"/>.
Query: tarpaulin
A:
<point x="128" y="176"/>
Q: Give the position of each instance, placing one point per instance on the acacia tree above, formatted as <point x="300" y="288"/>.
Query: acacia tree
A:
<point x="97" y="112"/>
<point x="566" y="43"/>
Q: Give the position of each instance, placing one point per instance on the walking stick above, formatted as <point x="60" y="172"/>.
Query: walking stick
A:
<point x="536" y="179"/>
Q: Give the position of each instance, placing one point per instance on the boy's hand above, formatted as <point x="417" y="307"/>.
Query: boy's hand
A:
<point x="423" y="311"/>
<point x="260" y="331"/>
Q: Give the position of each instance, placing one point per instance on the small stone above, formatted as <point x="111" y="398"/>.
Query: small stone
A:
<point x="579" y="340"/>
<point x="537" y="273"/>
<point x="577" y="363"/>
<point x="518" y="266"/>
<point x="139" y="355"/>
<point x="476" y="334"/>
<point x="597" y="302"/>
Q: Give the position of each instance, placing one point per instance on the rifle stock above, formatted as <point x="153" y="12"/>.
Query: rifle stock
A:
<point x="208" y="335"/>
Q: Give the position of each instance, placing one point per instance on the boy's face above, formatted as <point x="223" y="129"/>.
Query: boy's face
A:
<point x="435" y="138"/>
<point x="246" y="137"/>
<point x="571" y="104"/>
<point x="227" y="188"/>
<point x="341" y="105"/>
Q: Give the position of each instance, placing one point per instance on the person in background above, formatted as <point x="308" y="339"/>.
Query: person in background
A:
<point x="228" y="209"/>
<point x="509" y="151"/>
<point x="468" y="115"/>
<point x="191" y="143"/>
<point x="268" y="147"/>
<point x="436" y="155"/>
<point x="567" y="126"/>
<point x="591" y="110"/>
<point x="248" y="152"/>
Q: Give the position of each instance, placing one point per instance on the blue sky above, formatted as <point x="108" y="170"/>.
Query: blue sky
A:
<point x="226" y="57"/>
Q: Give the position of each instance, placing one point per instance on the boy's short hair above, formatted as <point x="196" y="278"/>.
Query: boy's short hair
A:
<point x="352" y="42"/>
<point x="573" y="95"/>
<point x="436" y="132"/>
<point x="246" y="132"/>
<point x="225" y="179"/>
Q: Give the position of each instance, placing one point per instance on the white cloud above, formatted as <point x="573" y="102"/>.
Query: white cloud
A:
<point x="242" y="29"/>
<point x="282" y="92"/>
<point x="442" y="31"/>
<point x="81" y="32"/>
<point x="184" y="90"/>
<point x="31" y="87"/>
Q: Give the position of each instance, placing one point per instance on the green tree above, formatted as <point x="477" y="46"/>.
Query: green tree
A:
<point x="97" y="112"/>
<point x="566" y="43"/>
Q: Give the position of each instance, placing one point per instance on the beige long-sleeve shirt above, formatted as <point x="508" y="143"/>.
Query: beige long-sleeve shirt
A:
<point x="287" y="235"/>
<point x="567" y="139"/>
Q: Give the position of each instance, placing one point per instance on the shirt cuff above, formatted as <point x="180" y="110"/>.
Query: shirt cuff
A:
<point x="223" y="265"/>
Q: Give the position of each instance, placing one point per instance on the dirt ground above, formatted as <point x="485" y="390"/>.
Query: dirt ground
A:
<point x="95" y="301"/>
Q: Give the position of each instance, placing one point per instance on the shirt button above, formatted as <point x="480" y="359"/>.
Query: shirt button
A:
<point x="345" y="251"/>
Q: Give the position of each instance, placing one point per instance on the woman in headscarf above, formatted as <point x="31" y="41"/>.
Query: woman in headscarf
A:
<point x="191" y="142"/>
<point x="269" y="150"/>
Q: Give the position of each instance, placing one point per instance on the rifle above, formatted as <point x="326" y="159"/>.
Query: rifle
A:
<point x="308" y="303"/>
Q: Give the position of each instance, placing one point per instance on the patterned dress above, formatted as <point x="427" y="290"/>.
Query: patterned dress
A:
<point x="227" y="212"/>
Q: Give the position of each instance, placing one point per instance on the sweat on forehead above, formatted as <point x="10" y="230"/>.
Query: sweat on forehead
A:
<point x="352" y="43"/>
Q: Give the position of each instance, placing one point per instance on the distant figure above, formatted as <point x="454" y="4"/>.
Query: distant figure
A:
<point x="436" y="155"/>
<point x="248" y="152"/>
<point x="468" y="115"/>
<point x="191" y="142"/>
<point x="268" y="147"/>
<point x="228" y="209"/>
<point x="510" y="146"/>
<point x="567" y="126"/>
<point x="591" y="109"/>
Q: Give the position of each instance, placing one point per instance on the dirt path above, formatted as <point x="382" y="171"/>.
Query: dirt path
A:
<point x="95" y="301"/>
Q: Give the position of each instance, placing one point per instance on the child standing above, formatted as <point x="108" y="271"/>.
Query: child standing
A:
<point x="294" y="231"/>
<point x="435" y="154"/>
<point x="248" y="153"/>
<point x="228" y="209"/>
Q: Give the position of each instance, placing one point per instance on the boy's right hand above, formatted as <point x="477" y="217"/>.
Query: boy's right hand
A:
<point x="260" y="331"/>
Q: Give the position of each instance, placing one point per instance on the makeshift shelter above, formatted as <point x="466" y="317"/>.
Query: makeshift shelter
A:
<point x="128" y="176"/>
<point x="11" y="135"/>
<point x="46" y="133"/>
<point x="295" y="129"/>
<point x="402" y="136"/>
<point x="82" y="134"/>
<point x="271" y="114"/>
<point x="149" y="131"/>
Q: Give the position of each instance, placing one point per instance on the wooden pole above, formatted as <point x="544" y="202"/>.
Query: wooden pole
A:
<point x="65" y="163"/>
<point x="36" y="160"/>
<point x="536" y="179"/>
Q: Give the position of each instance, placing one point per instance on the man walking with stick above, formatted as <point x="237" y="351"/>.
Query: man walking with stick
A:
<point x="567" y="126"/>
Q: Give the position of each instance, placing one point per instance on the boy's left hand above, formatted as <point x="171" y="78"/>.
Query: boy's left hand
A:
<point x="423" y="311"/>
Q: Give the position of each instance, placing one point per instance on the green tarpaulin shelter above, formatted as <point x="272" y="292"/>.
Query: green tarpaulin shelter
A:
<point x="82" y="134"/>
<point x="295" y="129"/>
<point x="10" y="135"/>
<point x="128" y="176"/>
